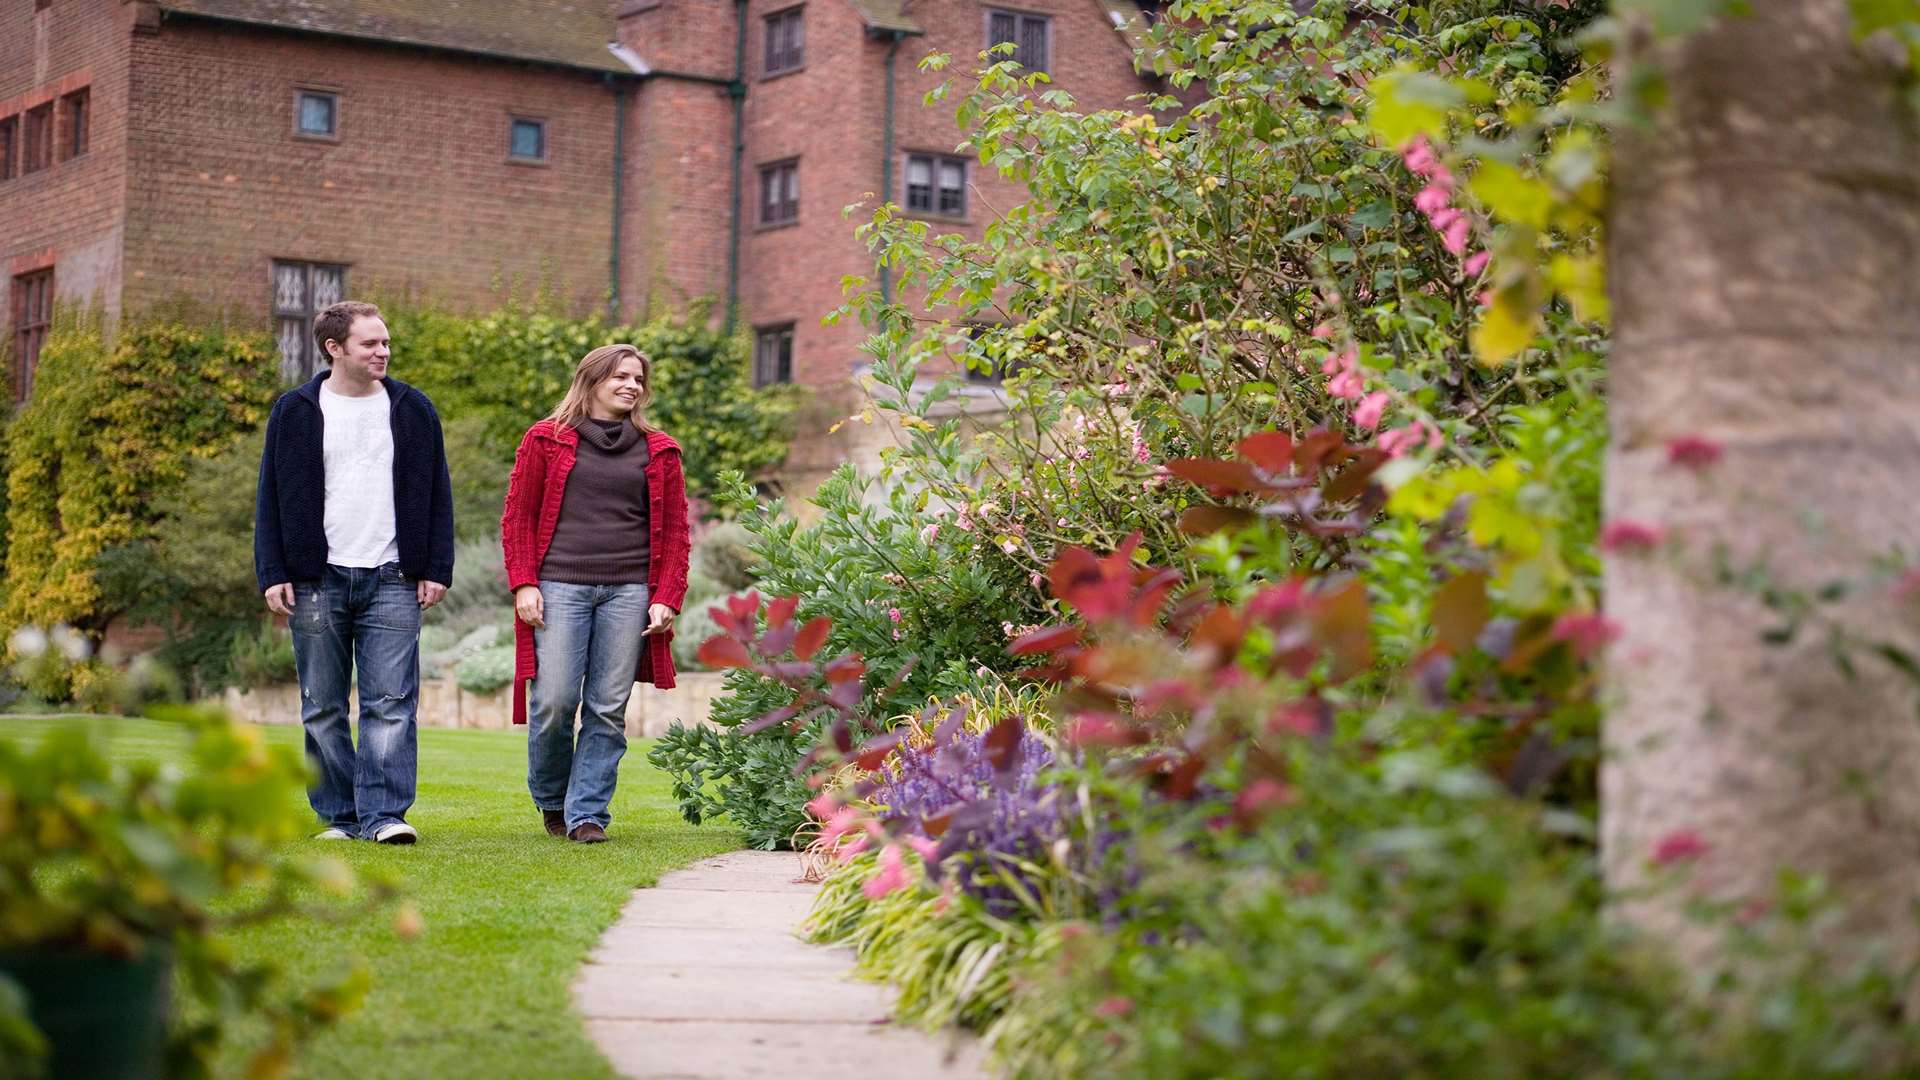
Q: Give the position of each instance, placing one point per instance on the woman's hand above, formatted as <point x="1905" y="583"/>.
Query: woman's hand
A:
<point x="529" y="607"/>
<point x="659" y="618"/>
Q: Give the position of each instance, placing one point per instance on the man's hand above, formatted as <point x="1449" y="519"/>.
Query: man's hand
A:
<point x="430" y="593"/>
<point x="659" y="618"/>
<point x="280" y="599"/>
<point x="529" y="606"/>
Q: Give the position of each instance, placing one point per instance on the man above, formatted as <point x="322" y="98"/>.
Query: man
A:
<point x="352" y="541"/>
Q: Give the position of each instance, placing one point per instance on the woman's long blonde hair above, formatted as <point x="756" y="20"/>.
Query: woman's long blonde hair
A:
<point x="595" y="368"/>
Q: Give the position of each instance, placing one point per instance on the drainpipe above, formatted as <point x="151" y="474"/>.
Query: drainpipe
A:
<point x="886" y="162"/>
<point x="737" y="90"/>
<point x="619" y="176"/>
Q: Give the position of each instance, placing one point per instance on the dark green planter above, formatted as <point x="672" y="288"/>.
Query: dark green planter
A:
<point x="104" y="1018"/>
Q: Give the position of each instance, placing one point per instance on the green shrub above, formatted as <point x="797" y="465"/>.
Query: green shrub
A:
<point x="725" y="555"/>
<point x="502" y="371"/>
<point x="747" y="780"/>
<point x="112" y="429"/>
<point x="486" y="671"/>
<point x="263" y="657"/>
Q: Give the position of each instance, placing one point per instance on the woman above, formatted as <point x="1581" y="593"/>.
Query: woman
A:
<point x="595" y="537"/>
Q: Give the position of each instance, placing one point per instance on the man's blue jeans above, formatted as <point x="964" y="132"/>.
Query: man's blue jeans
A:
<point x="366" y="618"/>
<point x="587" y="654"/>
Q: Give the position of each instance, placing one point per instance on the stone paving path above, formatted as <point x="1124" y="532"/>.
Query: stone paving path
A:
<point x="702" y="978"/>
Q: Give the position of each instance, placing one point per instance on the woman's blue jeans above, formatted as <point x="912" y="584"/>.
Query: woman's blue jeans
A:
<point x="587" y="654"/>
<point x="366" y="618"/>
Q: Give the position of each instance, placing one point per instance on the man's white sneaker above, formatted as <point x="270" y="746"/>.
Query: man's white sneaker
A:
<point x="333" y="834"/>
<point x="396" y="832"/>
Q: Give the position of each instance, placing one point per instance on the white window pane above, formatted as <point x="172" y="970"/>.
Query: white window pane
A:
<point x="953" y="175"/>
<point x="292" y="336"/>
<point x="919" y="171"/>
<point x="289" y="287"/>
<point x="793" y="183"/>
<point x="329" y="287"/>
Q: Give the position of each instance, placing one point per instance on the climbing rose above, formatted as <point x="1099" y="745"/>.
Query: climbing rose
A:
<point x="1693" y="451"/>
<point x="927" y="534"/>
<point x="1630" y="536"/>
<point x="1586" y="632"/>
<point x="1680" y="845"/>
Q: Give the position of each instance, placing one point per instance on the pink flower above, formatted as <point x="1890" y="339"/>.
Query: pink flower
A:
<point x="821" y="805"/>
<point x="1680" y="845"/>
<point x="1418" y="155"/>
<point x="1343" y="360"/>
<point x="1367" y="413"/>
<point x="846" y="853"/>
<point x="1412" y="437"/>
<point x="1693" y="452"/>
<point x="894" y="614"/>
<point x="1445" y="219"/>
<point x="1114" y="1006"/>
<point x="892" y="875"/>
<point x="1586" y="632"/>
<point x="1323" y="331"/>
<point x="963" y="522"/>
<point x="1475" y="263"/>
<point x="927" y="849"/>
<point x="1456" y="237"/>
<point x="1036" y="581"/>
<point x="1908" y="585"/>
<point x="1432" y="199"/>
<point x="1348" y="385"/>
<point x="1140" y="452"/>
<point x="843" y="821"/>
<point x="1633" y="536"/>
<point x="927" y="534"/>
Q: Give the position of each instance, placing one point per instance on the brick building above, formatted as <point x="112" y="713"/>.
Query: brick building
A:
<point x="261" y="157"/>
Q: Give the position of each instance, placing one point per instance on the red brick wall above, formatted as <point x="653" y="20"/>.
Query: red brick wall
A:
<point x="416" y="196"/>
<point x="67" y="215"/>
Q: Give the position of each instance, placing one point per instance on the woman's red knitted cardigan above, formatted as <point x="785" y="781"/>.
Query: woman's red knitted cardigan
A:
<point x="534" y="492"/>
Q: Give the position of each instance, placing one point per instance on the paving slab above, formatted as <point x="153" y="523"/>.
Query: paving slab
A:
<point x="703" y="978"/>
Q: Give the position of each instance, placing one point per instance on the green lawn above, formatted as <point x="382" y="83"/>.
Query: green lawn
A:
<point x="510" y="912"/>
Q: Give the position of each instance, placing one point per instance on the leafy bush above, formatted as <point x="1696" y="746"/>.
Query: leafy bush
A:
<point x="486" y="671"/>
<point x="500" y="372"/>
<point x="478" y="595"/>
<point x="916" y="604"/>
<point x="263" y="657"/>
<point x="112" y="430"/>
<point x="150" y="857"/>
<point x="748" y="781"/>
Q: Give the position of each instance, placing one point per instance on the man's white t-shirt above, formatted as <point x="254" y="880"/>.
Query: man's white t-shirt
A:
<point x="358" y="456"/>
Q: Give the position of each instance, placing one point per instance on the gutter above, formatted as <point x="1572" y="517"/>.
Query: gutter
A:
<point x="619" y="175"/>
<point x="737" y="90"/>
<point x="886" y="158"/>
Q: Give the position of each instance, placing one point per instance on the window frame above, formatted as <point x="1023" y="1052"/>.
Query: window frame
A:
<point x="31" y="163"/>
<point x="9" y="147"/>
<point x="789" y="207"/>
<point x="795" y="52"/>
<point x="31" y="324"/>
<point x="310" y="360"/>
<point x="76" y="123"/>
<point x="935" y="163"/>
<point x="300" y="96"/>
<point x="779" y="335"/>
<point x="1020" y="19"/>
<point x="514" y="120"/>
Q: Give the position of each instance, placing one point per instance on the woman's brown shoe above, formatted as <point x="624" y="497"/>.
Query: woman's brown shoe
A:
<point x="555" y="821"/>
<point x="588" y="833"/>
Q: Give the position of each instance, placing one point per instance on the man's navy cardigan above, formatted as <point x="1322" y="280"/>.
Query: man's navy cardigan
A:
<point x="289" y="514"/>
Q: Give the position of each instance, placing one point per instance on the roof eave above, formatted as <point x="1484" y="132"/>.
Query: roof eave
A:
<point x="168" y="12"/>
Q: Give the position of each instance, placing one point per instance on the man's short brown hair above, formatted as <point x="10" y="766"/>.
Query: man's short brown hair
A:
<point x="334" y="323"/>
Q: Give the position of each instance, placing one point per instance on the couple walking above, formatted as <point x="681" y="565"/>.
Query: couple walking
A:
<point x="353" y="541"/>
